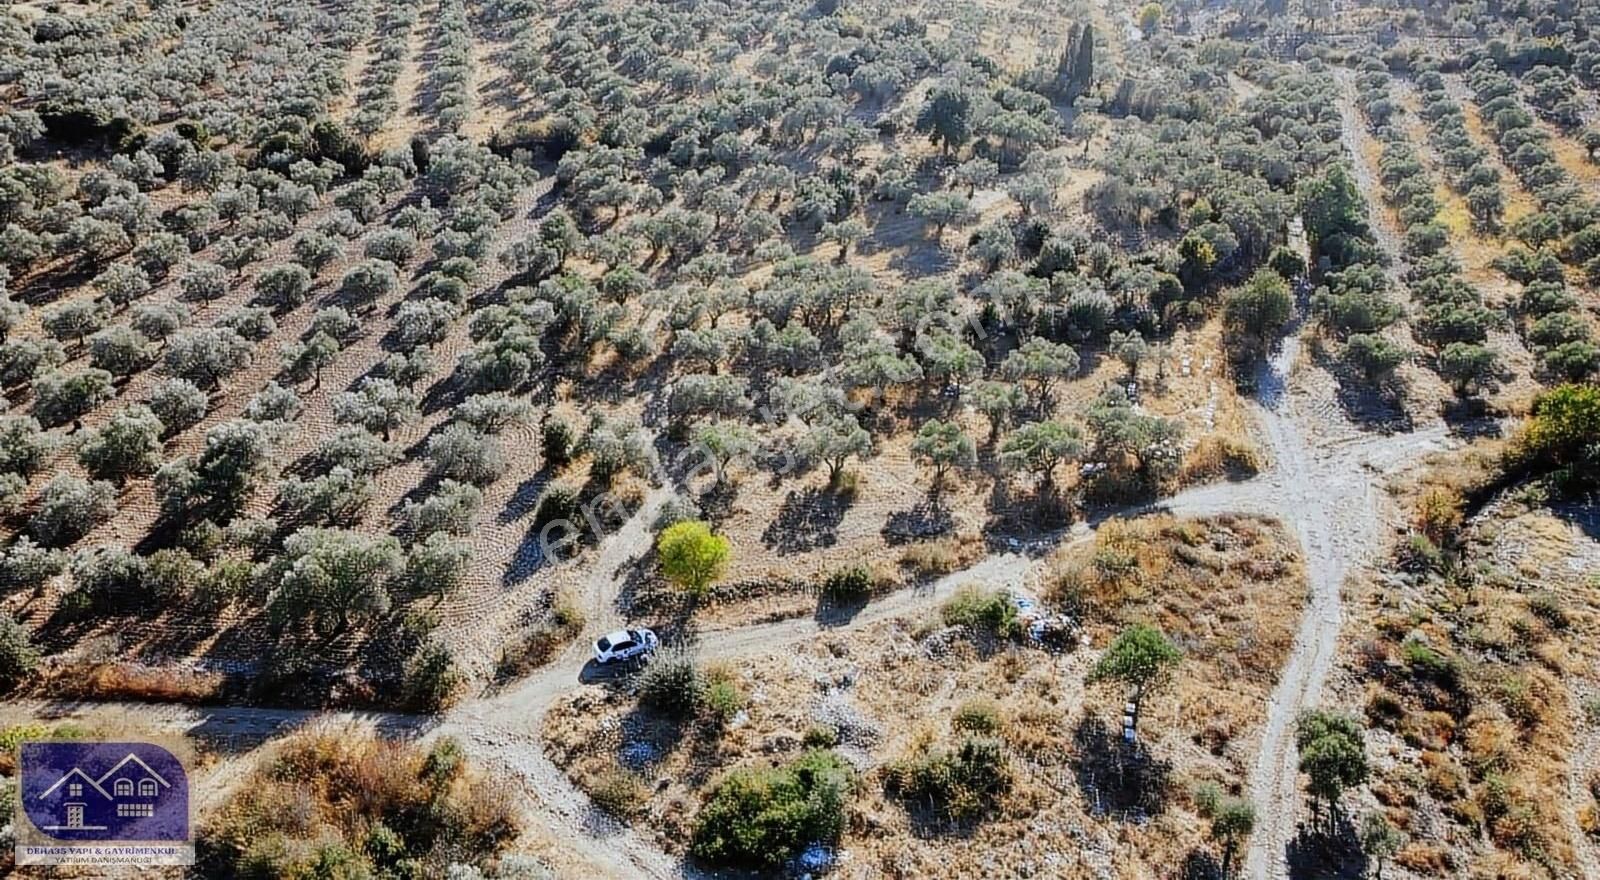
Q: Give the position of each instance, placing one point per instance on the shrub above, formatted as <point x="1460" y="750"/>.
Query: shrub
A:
<point x="18" y="657"/>
<point x="960" y="784"/>
<point x="671" y="684"/>
<point x="977" y="716"/>
<point x="619" y="791"/>
<point x="1438" y="513"/>
<point x="987" y="611"/>
<point x="432" y="680"/>
<point x="1563" y="437"/>
<point x="559" y="502"/>
<point x="722" y="699"/>
<point x="762" y="818"/>
<point x="847" y="586"/>
<point x="541" y="643"/>
<point x="381" y="809"/>
<point x="1217" y="456"/>
<point x="1419" y="554"/>
<point x="171" y="575"/>
<point x="820" y="736"/>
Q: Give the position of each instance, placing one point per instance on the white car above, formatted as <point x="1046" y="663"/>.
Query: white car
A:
<point x="625" y="644"/>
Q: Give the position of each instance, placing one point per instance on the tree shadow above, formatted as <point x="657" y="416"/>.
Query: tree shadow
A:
<point x="927" y="519"/>
<point x="1585" y="516"/>
<point x="1200" y="865"/>
<point x="806" y="521"/>
<point x="1375" y="405"/>
<point x="1118" y="778"/>
<point x="833" y="611"/>
<point x="716" y="502"/>
<point x="525" y="499"/>
<point x="529" y="556"/>
<point x="1326" y="854"/>
<point x="1471" y="418"/>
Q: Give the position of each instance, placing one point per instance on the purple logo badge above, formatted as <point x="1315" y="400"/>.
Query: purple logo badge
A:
<point x="104" y="791"/>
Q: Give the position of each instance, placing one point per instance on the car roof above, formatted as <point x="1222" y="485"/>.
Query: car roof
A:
<point x="620" y="635"/>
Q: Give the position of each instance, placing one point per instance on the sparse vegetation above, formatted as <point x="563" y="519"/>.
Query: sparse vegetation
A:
<point x="374" y="805"/>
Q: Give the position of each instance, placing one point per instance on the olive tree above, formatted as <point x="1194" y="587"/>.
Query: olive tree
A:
<point x="177" y="403"/>
<point x="23" y="445"/>
<point x="237" y="455"/>
<point x="61" y="396"/>
<point x="1041" y="363"/>
<point x="69" y="508"/>
<point x="158" y="320"/>
<point x="119" y="350"/>
<point x="379" y="405"/>
<point x="452" y="509"/>
<point x="1332" y="755"/>
<point x="460" y="452"/>
<point x="943" y="445"/>
<point x="493" y="413"/>
<point x="1040" y="447"/>
<point x="833" y="440"/>
<point x="128" y="444"/>
<point x="206" y="355"/>
<point x="306" y="360"/>
<point x="328" y="580"/>
<point x="367" y="282"/>
<point x="1141" y="657"/>
<point x="283" y="287"/>
<point x="73" y="320"/>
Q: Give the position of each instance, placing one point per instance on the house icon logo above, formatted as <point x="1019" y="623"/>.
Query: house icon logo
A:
<point x="101" y="791"/>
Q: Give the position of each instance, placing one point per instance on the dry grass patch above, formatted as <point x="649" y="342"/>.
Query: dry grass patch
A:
<point x="1227" y="590"/>
<point x="124" y="680"/>
<point x="1218" y="457"/>
<point x="341" y="801"/>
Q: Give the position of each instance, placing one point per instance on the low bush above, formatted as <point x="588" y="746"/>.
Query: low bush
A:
<point x="671" y="684"/>
<point x="618" y="791"/>
<point x="987" y="611"/>
<point x="543" y="641"/>
<point x="847" y="586"/>
<point x="722" y="698"/>
<point x="432" y="680"/>
<point x="1218" y="457"/>
<point x="763" y="818"/>
<point x="959" y="784"/>
<point x="977" y="716"/>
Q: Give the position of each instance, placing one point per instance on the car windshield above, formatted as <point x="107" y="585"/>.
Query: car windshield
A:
<point x="604" y="644"/>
